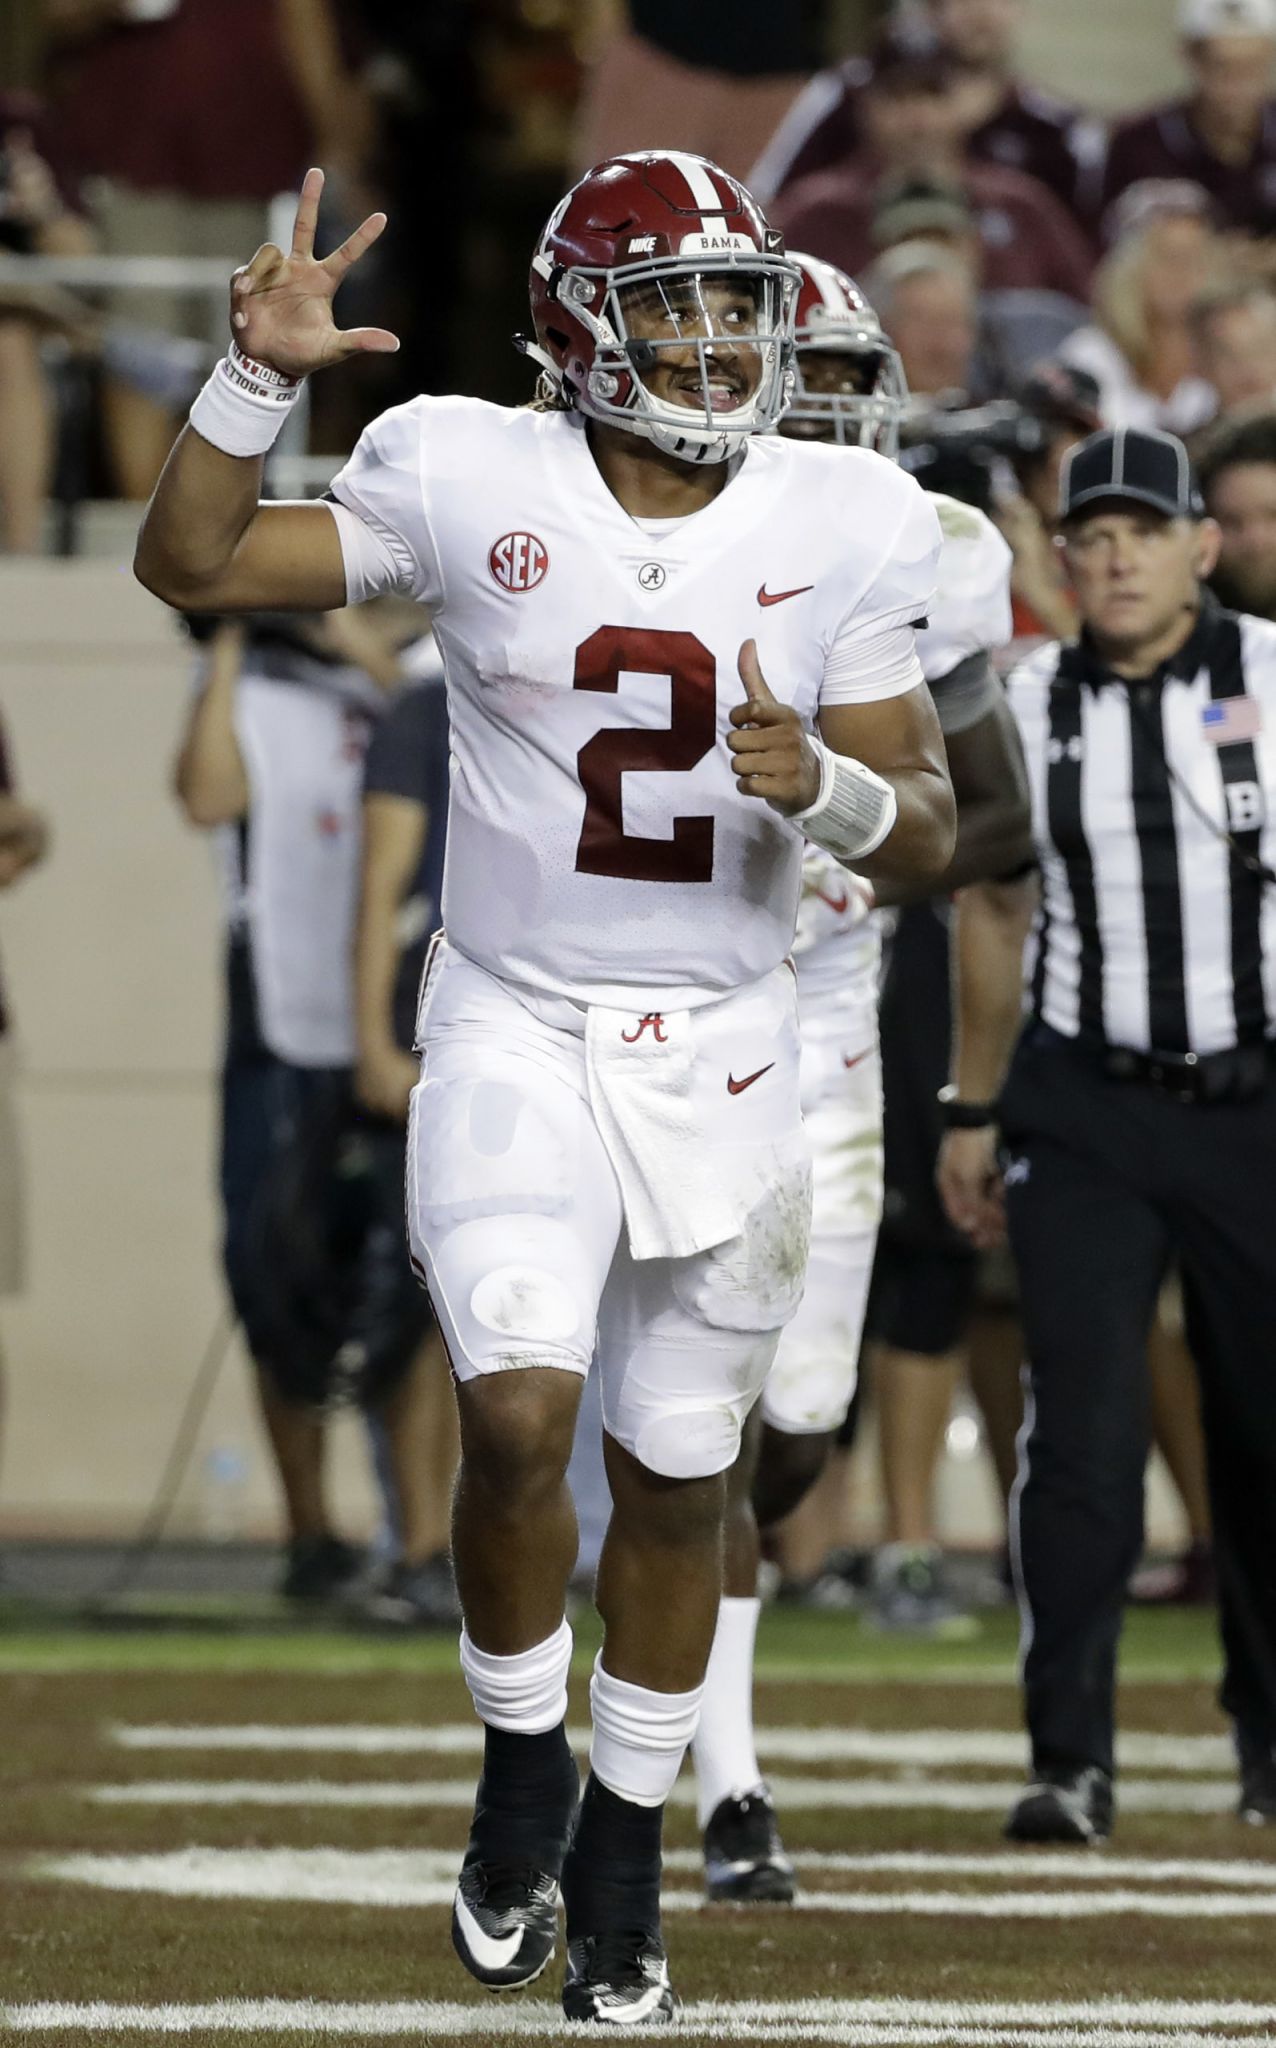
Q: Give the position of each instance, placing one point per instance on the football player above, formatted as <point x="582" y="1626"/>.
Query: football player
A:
<point x="850" y="390"/>
<point x="674" y="647"/>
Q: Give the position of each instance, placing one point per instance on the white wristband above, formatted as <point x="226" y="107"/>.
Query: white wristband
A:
<point x="854" y="811"/>
<point x="244" y="404"/>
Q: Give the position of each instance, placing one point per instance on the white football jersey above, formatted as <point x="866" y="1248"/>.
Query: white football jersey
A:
<point x="837" y="948"/>
<point x="597" y="846"/>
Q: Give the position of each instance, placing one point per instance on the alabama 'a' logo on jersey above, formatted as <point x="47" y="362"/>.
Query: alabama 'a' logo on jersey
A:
<point x="518" y="561"/>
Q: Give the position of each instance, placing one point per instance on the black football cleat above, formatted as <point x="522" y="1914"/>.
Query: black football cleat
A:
<point x="1257" y="1807"/>
<point x="744" y="1858"/>
<point x="618" y="1980"/>
<point x="1064" y="1806"/>
<point x="505" y="1923"/>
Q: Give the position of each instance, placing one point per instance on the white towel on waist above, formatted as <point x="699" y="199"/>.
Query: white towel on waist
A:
<point x="640" y="1073"/>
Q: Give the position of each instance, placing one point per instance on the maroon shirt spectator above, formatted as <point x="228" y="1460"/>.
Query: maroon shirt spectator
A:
<point x="1029" y="132"/>
<point x="1028" y="241"/>
<point x="200" y="101"/>
<point x="1223" y="134"/>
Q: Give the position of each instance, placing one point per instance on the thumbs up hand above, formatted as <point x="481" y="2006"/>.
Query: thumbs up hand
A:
<point x="774" y="758"/>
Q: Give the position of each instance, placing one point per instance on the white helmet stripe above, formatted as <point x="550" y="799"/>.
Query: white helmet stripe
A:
<point x="704" y="193"/>
<point x="826" y="282"/>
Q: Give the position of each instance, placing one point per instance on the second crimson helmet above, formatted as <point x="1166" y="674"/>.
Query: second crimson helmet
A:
<point x="867" y="403"/>
<point x="623" y="280"/>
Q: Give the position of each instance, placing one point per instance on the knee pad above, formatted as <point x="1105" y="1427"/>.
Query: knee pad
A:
<point x="690" y="1443"/>
<point x="512" y="1292"/>
<point x="675" y="1427"/>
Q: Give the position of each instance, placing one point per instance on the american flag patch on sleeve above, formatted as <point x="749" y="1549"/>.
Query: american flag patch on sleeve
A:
<point x="1231" y="718"/>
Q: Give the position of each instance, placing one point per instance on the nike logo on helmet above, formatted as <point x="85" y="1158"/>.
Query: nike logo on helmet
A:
<point x="738" y="1087"/>
<point x="490" y="1952"/>
<point x="766" y="596"/>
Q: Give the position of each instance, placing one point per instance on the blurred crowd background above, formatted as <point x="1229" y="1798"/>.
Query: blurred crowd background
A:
<point x="1046" y="258"/>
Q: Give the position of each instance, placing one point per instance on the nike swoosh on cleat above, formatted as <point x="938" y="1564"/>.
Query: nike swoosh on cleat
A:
<point x="738" y="1087"/>
<point x="766" y="596"/>
<point x="490" y="1951"/>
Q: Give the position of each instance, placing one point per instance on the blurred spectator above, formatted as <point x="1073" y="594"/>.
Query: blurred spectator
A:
<point x="38" y="217"/>
<point x="405" y="795"/>
<point x="715" y="78"/>
<point x="1018" y="326"/>
<point x="1005" y="120"/>
<point x="1223" y="135"/>
<point x="1236" y="470"/>
<point x="1140" y="347"/>
<point x="926" y="301"/>
<point x="912" y="123"/>
<point x="1234" y="329"/>
<point x="273" y="753"/>
<point x="186" y="117"/>
<point x="24" y="840"/>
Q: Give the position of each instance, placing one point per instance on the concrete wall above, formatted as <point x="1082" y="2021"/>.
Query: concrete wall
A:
<point x="110" y="956"/>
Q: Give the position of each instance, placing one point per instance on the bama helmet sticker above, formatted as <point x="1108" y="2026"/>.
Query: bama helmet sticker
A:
<point x="518" y="561"/>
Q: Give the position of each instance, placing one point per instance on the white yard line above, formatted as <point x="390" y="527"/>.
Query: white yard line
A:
<point x="916" y="1795"/>
<point x="355" y="1875"/>
<point x="404" y="1878"/>
<point x="922" y="1747"/>
<point x="876" y="2023"/>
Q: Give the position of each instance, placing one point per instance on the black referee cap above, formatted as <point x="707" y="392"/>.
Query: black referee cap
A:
<point x="1138" y="463"/>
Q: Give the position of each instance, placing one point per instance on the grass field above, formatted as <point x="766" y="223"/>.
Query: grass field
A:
<point x="253" y="1834"/>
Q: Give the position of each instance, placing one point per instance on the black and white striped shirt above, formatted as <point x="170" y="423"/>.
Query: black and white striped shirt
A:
<point x="1154" y="932"/>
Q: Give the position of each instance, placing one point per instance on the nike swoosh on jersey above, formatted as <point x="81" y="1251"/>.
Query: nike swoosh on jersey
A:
<point x="837" y="903"/>
<point x="848" y="1064"/>
<point x="490" y="1952"/>
<point x="766" y="596"/>
<point x="738" y="1087"/>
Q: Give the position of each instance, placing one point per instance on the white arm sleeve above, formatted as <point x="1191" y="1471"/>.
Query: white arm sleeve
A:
<point x="379" y="501"/>
<point x="874" y="652"/>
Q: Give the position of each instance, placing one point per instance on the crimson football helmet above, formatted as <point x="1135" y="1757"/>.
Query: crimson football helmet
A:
<point x="866" y="395"/>
<point x="660" y="262"/>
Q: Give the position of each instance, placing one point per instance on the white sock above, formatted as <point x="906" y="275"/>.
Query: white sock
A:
<point x="640" y="1737"/>
<point x="526" y="1693"/>
<point x="726" y="1761"/>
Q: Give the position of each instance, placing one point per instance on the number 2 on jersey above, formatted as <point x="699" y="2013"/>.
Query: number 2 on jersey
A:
<point x="605" y="847"/>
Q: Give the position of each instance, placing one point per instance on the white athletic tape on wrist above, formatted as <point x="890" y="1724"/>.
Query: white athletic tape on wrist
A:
<point x="854" y="811"/>
<point x="244" y="404"/>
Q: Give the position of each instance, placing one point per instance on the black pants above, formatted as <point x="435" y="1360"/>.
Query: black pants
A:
<point x="1106" y="1182"/>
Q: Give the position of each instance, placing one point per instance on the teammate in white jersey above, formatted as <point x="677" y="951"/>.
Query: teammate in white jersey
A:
<point x="850" y="390"/>
<point x="672" y="651"/>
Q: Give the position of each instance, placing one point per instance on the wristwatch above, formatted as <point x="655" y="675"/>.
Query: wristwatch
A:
<point x="965" y="1116"/>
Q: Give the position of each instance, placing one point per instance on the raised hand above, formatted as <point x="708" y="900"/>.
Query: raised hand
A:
<point x="281" y="306"/>
<point x="774" y="758"/>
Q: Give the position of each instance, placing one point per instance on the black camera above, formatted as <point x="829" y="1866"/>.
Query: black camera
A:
<point x="960" y="453"/>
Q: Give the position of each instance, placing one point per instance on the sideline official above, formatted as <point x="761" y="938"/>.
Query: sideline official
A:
<point x="1139" y="1120"/>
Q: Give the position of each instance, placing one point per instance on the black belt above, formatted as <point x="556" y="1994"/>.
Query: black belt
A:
<point x="1239" y="1074"/>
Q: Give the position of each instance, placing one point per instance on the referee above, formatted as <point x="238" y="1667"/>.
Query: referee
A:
<point x="1139" y="1119"/>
